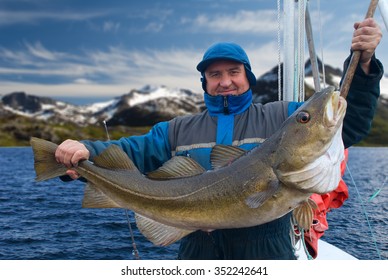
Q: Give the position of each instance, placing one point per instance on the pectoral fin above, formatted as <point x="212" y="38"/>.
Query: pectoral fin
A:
<point x="257" y="199"/>
<point x="158" y="233"/>
<point x="94" y="198"/>
<point x="304" y="214"/>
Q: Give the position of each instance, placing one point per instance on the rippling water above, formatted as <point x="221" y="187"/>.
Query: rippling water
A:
<point x="45" y="220"/>
<point x="360" y="226"/>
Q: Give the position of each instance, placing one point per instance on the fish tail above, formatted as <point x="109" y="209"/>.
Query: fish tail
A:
<point x="45" y="164"/>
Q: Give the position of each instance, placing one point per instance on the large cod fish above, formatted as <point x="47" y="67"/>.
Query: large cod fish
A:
<point x="244" y="188"/>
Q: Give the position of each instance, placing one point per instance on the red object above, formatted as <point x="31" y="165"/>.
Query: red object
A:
<point x="325" y="203"/>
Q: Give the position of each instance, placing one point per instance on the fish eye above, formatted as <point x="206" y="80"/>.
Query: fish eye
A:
<point x="303" y="117"/>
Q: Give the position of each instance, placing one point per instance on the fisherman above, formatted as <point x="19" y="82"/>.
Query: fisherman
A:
<point x="232" y="119"/>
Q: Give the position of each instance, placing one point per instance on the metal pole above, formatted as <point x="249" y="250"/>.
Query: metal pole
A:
<point x="313" y="55"/>
<point x="289" y="50"/>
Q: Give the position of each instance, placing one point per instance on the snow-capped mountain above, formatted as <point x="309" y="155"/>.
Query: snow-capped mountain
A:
<point x="139" y="107"/>
<point x="145" y="106"/>
<point x="150" y="105"/>
<point x="42" y="108"/>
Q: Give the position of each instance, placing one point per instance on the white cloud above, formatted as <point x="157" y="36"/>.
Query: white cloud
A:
<point x="125" y="69"/>
<point x="39" y="51"/>
<point x="117" y="70"/>
<point x="154" y="27"/>
<point x="262" y="57"/>
<point x="172" y="67"/>
<point x="243" y="21"/>
<point x="17" y="57"/>
<point x="110" y="26"/>
<point x="65" y="89"/>
<point x="23" y="17"/>
<point x="112" y="69"/>
<point x="82" y="81"/>
<point x="37" y="61"/>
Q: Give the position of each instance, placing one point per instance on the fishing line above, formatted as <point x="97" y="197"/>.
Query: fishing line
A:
<point x="298" y="239"/>
<point x="309" y="257"/>
<point x="376" y="193"/>
<point x="364" y="211"/>
<point x="135" y="252"/>
<point x="106" y="130"/>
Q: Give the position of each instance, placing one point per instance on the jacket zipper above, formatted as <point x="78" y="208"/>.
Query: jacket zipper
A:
<point x="226" y="106"/>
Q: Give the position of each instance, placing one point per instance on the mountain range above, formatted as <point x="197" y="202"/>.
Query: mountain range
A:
<point x="136" y="108"/>
<point x="139" y="107"/>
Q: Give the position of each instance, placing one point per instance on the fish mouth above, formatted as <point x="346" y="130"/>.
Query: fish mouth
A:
<point x="335" y="109"/>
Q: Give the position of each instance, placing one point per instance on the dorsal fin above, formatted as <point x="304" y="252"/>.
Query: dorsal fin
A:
<point x="223" y="155"/>
<point x="158" y="233"/>
<point x="114" y="157"/>
<point x="94" y="198"/>
<point x="304" y="214"/>
<point x="177" y="167"/>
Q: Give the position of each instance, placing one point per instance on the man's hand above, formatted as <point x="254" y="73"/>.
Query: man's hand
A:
<point x="366" y="37"/>
<point x="69" y="153"/>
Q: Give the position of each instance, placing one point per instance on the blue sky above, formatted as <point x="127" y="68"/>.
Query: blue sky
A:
<point x="106" y="48"/>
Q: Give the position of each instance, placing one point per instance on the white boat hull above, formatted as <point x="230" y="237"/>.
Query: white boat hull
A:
<point x="326" y="251"/>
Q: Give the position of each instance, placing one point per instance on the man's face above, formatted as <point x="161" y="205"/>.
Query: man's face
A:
<point x="226" y="77"/>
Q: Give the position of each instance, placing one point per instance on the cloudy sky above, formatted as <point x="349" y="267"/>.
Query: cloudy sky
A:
<point x="106" y="48"/>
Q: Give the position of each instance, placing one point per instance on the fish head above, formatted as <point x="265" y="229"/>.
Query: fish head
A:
<point x="310" y="148"/>
<point x="316" y="122"/>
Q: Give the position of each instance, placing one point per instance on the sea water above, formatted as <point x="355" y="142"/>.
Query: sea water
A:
<point x="45" y="220"/>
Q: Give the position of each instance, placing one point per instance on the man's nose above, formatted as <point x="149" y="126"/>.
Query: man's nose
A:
<point x="225" y="81"/>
